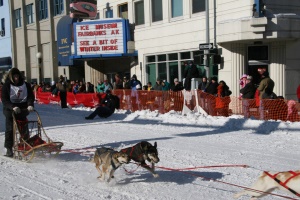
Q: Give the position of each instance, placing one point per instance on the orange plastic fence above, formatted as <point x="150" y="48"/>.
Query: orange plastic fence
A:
<point x="164" y="101"/>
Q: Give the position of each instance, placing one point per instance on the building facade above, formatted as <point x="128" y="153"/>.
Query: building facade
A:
<point x="34" y="39"/>
<point x="165" y="34"/>
<point x="5" y="38"/>
<point x="169" y="32"/>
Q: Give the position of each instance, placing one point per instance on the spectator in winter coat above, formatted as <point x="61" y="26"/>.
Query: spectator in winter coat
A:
<point x="177" y="85"/>
<point x="107" y="106"/>
<point x="17" y="98"/>
<point x="118" y="84"/>
<point x="202" y="86"/>
<point x="90" y="87"/>
<point x="76" y="88"/>
<point x="223" y="99"/>
<point x="134" y="82"/>
<point x="247" y="92"/>
<point x="165" y="85"/>
<point x="212" y="86"/>
<point x="149" y="86"/>
<point x="82" y="87"/>
<point x="243" y="82"/>
<point x="100" y="87"/>
<point x="107" y="86"/>
<point x="126" y="83"/>
<point x="191" y="72"/>
<point x="249" y="89"/>
<point x="62" y="88"/>
<point x="157" y="85"/>
<point x="266" y="87"/>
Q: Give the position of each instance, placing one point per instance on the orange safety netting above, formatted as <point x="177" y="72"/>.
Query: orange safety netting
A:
<point x="164" y="101"/>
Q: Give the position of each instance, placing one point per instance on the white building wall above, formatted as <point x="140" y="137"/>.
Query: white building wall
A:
<point x="236" y="29"/>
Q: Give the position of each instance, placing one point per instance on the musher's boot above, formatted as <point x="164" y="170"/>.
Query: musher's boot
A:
<point x="9" y="152"/>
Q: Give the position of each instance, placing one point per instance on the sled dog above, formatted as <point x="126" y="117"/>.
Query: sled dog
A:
<point x="108" y="161"/>
<point x="142" y="152"/>
<point x="288" y="181"/>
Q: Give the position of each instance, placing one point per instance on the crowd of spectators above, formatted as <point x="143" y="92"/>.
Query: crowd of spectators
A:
<point x="219" y="90"/>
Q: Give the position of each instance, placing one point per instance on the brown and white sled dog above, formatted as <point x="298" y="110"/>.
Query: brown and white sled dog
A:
<point x="108" y="161"/>
<point x="141" y="152"/>
<point x="288" y="181"/>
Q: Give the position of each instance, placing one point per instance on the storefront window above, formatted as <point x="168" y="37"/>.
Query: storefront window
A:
<point x="161" y="58"/>
<point x="173" y="71"/>
<point x="168" y="66"/>
<point x="150" y="59"/>
<point x="151" y="73"/>
<point x="162" y="71"/>
<point x="173" y="56"/>
<point x="185" y="55"/>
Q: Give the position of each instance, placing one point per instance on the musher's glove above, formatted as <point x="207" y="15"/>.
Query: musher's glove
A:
<point x="17" y="110"/>
<point x="30" y="108"/>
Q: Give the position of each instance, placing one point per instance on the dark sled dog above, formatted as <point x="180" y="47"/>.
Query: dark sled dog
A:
<point x="108" y="161"/>
<point x="142" y="152"/>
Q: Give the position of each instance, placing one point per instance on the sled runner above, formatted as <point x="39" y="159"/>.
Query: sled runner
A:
<point x="30" y="140"/>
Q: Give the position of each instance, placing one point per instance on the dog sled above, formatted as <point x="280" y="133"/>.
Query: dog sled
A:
<point x="31" y="140"/>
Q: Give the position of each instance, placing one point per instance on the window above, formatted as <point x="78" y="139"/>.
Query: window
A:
<point x="198" y="6"/>
<point x="43" y="9"/>
<point x="18" y="18"/>
<point x="162" y="57"/>
<point x="162" y="71"/>
<point x="1" y="2"/>
<point x="123" y="11"/>
<point x="176" y="8"/>
<point x="109" y="13"/>
<point x="170" y="66"/>
<point x="151" y="73"/>
<point x="58" y="7"/>
<point x="29" y="14"/>
<point x="157" y="13"/>
<point x="2" y="30"/>
<point x="139" y="13"/>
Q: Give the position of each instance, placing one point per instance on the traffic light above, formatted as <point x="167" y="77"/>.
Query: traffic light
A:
<point x="199" y="59"/>
<point x="214" y="51"/>
<point x="216" y="59"/>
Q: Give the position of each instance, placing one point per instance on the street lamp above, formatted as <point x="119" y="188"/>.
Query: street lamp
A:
<point x="39" y="56"/>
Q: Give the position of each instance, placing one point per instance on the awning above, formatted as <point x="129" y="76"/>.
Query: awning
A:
<point x="5" y="63"/>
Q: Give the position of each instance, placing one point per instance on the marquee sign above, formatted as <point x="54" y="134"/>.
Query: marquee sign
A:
<point x="100" y="37"/>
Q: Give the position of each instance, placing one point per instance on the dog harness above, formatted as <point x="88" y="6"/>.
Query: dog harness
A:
<point x="131" y="152"/>
<point x="283" y="184"/>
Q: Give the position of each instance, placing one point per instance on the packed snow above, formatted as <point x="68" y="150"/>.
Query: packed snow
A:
<point x="201" y="157"/>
